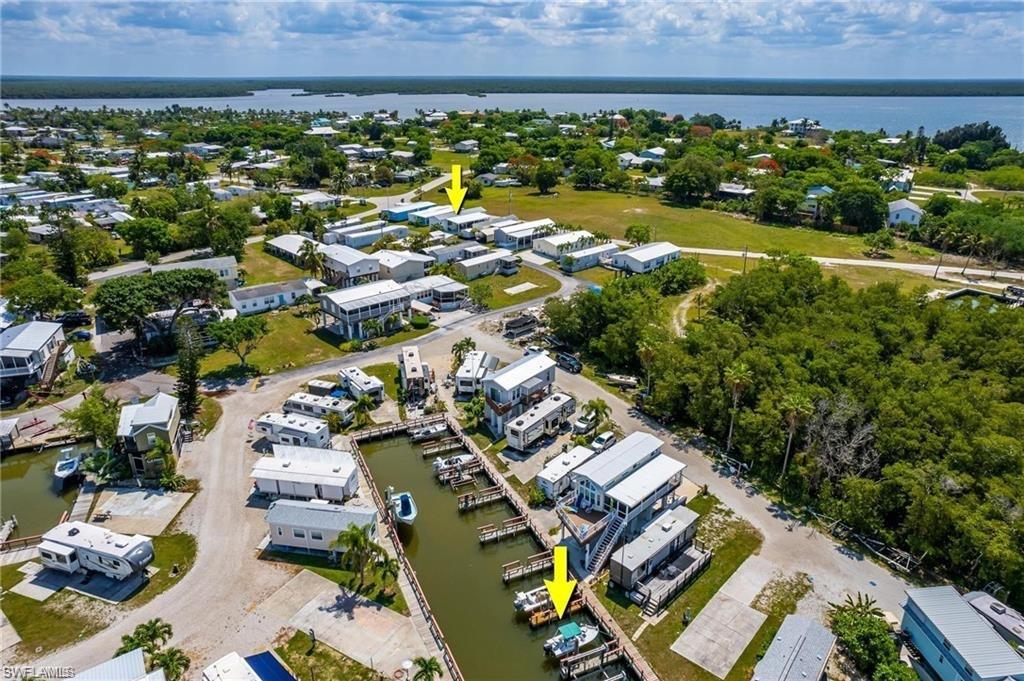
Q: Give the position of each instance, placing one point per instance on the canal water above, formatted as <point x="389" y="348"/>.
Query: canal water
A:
<point x="26" y="491"/>
<point x="461" y="578"/>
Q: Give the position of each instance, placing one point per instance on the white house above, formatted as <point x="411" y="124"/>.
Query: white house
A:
<point x="291" y="429"/>
<point x="76" y="546"/>
<point x="904" y="212"/>
<point x="140" y="426"/>
<point x="483" y="265"/>
<point x="543" y="419"/>
<point x="368" y="237"/>
<point x="515" y="388"/>
<point x="663" y="538"/>
<point x="899" y="180"/>
<point x="315" y="200"/>
<point x="28" y="350"/>
<point x="344" y="266"/>
<point x="130" y="666"/>
<point x="313" y="525"/>
<point x="464" y="222"/>
<point x="225" y="267"/>
<point x="521" y="235"/>
<point x="555" y="246"/>
<point x="287" y="246"/>
<point x="474" y="368"/>
<point x="466" y="146"/>
<point x="346" y="312"/>
<point x="656" y="154"/>
<point x="554" y="479"/>
<point x="402" y="266"/>
<point x="587" y="257"/>
<point x="628" y="159"/>
<point x="430" y="216"/>
<point x="413" y="372"/>
<point x="438" y="291"/>
<point x="318" y="406"/>
<point x="307" y="473"/>
<point x="358" y="383"/>
<point x="266" y="297"/>
<point x="646" y="257"/>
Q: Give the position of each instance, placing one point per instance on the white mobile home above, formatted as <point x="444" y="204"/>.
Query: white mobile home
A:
<point x="555" y="246"/>
<point x="413" y="372"/>
<point x="370" y="237"/>
<point x="587" y="258"/>
<point x="313" y="525"/>
<point x="482" y="265"/>
<point x="646" y="258"/>
<point x="402" y="266"/>
<point x="474" y="369"/>
<point x="226" y="268"/>
<point x="76" y="546"/>
<point x="318" y="406"/>
<point x="307" y="473"/>
<point x="290" y="429"/>
<point x="463" y="223"/>
<point x="266" y="297"/>
<point x="438" y="291"/>
<point x="429" y="217"/>
<point x="543" y="419"/>
<point x="358" y="383"/>
<point x="347" y="311"/>
<point x="286" y="246"/>
<point x="554" y="479"/>
<point x="520" y="236"/>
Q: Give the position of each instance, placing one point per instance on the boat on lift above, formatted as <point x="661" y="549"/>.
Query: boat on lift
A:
<point x="402" y="505"/>
<point x="67" y="469"/>
<point x="459" y="460"/>
<point x="570" y="639"/>
<point x="528" y="601"/>
<point x="429" y="432"/>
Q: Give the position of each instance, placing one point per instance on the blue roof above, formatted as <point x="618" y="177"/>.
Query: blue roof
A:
<point x="268" y="668"/>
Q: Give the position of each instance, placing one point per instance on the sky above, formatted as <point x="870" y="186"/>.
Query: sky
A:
<point x="739" y="39"/>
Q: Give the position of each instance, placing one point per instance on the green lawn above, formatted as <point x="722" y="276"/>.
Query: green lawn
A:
<point x="596" y="275"/>
<point x="445" y="159"/>
<point x="209" y="413"/>
<point x="388" y="373"/>
<point x="263" y="268"/>
<point x="322" y="662"/>
<point x="546" y="285"/>
<point x="388" y="595"/>
<point x="168" y="550"/>
<point x="694" y="227"/>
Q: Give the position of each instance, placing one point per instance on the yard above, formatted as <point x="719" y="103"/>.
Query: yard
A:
<point x="388" y="373"/>
<point x="263" y="268"/>
<point x="322" y="662"/>
<point x="545" y="286"/>
<point x="693" y="227"/>
<point x="388" y="595"/>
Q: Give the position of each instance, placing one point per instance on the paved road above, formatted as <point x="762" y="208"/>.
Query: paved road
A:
<point x="382" y="202"/>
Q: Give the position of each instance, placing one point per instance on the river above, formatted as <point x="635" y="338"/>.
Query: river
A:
<point x="461" y="578"/>
<point x="895" y="114"/>
<point x="26" y="491"/>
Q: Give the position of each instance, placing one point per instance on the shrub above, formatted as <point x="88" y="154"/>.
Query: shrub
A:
<point x="935" y="178"/>
<point x="420" y="322"/>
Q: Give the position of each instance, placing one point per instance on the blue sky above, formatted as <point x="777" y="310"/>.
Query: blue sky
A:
<point x="776" y="39"/>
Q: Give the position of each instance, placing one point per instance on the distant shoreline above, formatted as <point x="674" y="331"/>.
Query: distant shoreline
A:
<point x="59" y="87"/>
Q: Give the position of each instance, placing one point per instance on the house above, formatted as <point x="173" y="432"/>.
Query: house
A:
<point x="266" y="297"/>
<point x="358" y="383"/>
<point x="408" y="175"/>
<point x="402" y="156"/>
<point x="402" y="266"/>
<point x="954" y="641"/>
<point x="438" y="291"/>
<point x="402" y="211"/>
<point x="628" y="159"/>
<point x="345" y="266"/>
<point x="587" y="257"/>
<point x="1007" y="621"/>
<point x="315" y="200"/>
<point x="486" y="179"/>
<point x="522" y="325"/>
<point x="813" y="197"/>
<point x="656" y="154"/>
<point x="413" y="372"/>
<point x="324" y="131"/>
<point x="449" y="253"/>
<point x="306" y="473"/>
<point x="899" y="180"/>
<point x="466" y="147"/>
<point x="800" y="651"/>
<point x="8" y="433"/>
<point x="661" y="540"/>
<point x="424" y="217"/>
<point x="521" y="235"/>
<point x="225" y="267"/>
<point x="291" y="429"/>
<point x="80" y="547"/>
<point x="544" y="419"/>
<point x="732" y="190"/>
<point x="464" y="222"/>
<point x="554" y="479"/>
<point x="140" y="426"/>
<point x="263" y="666"/>
<point x="891" y="141"/>
<point x="369" y="237"/>
<point x="318" y="406"/>
<point x="801" y="126"/>
<point x="483" y="265"/>
<point x="347" y="312"/>
<point x="512" y="390"/>
<point x="37" y="234"/>
<point x="31" y="350"/>
<point x="646" y="257"/>
<point x="474" y="368"/>
<point x="370" y="153"/>
<point x="904" y="212"/>
<point x="557" y="245"/>
<point x="311" y="526"/>
<point x="287" y="246"/>
<point x="130" y="666"/>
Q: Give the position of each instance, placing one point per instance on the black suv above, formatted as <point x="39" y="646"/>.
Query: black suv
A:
<point x="569" y="362"/>
<point x="70" y="320"/>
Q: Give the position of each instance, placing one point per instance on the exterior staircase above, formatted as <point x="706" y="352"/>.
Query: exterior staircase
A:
<point x="606" y="544"/>
<point x="52" y="368"/>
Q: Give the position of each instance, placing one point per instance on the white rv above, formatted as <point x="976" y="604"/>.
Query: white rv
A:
<point x="76" y="546"/>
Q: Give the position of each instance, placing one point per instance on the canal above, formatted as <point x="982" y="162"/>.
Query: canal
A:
<point x="26" y="491"/>
<point x="461" y="578"/>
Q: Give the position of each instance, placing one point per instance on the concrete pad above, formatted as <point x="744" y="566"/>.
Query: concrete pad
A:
<point x="8" y="636"/>
<point x="31" y="568"/>
<point x="361" y="629"/>
<point x="746" y="583"/>
<point x="719" y="634"/>
<point x="520" y="288"/>
<point x="41" y="585"/>
<point x="108" y="590"/>
<point x="299" y="590"/>
<point x="138" y="511"/>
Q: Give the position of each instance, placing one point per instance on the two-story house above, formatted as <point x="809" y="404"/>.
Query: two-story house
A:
<point x="142" y="425"/>
<point x="27" y="351"/>
<point x="347" y="312"/>
<point x="512" y="390"/>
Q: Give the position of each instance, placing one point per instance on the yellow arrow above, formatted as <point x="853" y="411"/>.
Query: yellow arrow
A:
<point x="456" y="194"/>
<point x="561" y="587"/>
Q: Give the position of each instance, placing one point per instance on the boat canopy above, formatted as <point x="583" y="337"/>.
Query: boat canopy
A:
<point x="569" y="630"/>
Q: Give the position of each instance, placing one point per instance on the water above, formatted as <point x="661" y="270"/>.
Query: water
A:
<point x="895" y="114"/>
<point x="26" y="491"/>
<point x="461" y="579"/>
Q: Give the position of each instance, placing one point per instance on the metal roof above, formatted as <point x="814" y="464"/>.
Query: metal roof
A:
<point x="564" y="463"/>
<point x="646" y="480"/>
<point x="663" y="530"/>
<point x="496" y="254"/>
<point x="157" y="411"/>
<point x="520" y="371"/>
<point x="651" y="251"/>
<point x="264" y="290"/>
<point x="130" y="666"/>
<point x="967" y="631"/>
<point x="540" y="411"/>
<point x="28" y="337"/>
<point x="382" y="291"/>
<point x="799" y="651"/>
<point x="609" y="465"/>
<point x="998" y="613"/>
<point x="221" y="263"/>
<point x="319" y="516"/>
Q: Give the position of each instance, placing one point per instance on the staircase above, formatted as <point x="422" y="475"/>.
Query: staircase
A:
<point x="51" y="368"/>
<point x="606" y="544"/>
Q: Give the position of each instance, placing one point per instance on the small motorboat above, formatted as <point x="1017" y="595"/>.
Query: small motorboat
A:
<point x="570" y="639"/>
<point x="67" y="469"/>
<point x="623" y="380"/>
<point x="528" y="601"/>
<point x="403" y="506"/>
<point x="430" y="432"/>
<point x="458" y="461"/>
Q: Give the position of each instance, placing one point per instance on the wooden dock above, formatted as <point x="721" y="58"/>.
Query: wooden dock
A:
<point x="449" y="444"/>
<point x="389" y="429"/>
<point x="584" y="663"/>
<point x="471" y="500"/>
<point x="449" y="473"/>
<point x="462" y="481"/>
<point x="508" y="528"/>
<point x="542" y="617"/>
<point x="518" y="569"/>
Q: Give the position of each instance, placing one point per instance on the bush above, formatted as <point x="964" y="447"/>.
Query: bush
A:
<point x="419" y="322"/>
<point x="1006" y="177"/>
<point x="934" y="178"/>
<point x="535" y="496"/>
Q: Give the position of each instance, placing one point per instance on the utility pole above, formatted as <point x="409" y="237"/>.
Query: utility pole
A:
<point x="744" y="260"/>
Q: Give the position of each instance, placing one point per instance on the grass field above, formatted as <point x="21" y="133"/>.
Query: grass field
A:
<point x="694" y="227"/>
<point x="546" y="285"/>
<point x="263" y="268"/>
<point x="388" y="373"/>
<point x="209" y="413"/>
<point x="322" y="662"/>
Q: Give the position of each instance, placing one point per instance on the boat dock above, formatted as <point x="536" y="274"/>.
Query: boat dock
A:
<point x="450" y="473"/>
<point x="449" y="444"/>
<point x="509" y="528"/>
<point x="584" y="663"/>
<point x="400" y="428"/>
<point x="542" y="617"/>
<point x="518" y="569"/>
<point x="471" y="500"/>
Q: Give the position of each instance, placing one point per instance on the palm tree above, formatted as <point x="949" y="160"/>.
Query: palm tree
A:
<point x="155" y="630"/>
<point x="737" y="377"/>
<point x="311" y="258"/>
<point x="972" y="242"/>
<point x="340" y="182"/>
<point x="387" y="570"/>
<point x="373" y="327"/>
<point x="427" y="669"/>
<point x="358" y="550"/>
<point x="863" y="606"/>
<point x="461" y="349"/>
<point x="598" y="408"/>
<point x="173" y="662"/>
<point x="362" y="408"/>
<point x="796" y="408"/>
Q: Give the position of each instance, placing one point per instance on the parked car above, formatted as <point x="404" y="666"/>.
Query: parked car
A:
<point x="534" y="350"/>
<point x="80" y="335"/>
<point x="73" y="318"/>
<point x="603" y="441"/>
<point x="585" y="423"/>
<point x="570" y="363"/>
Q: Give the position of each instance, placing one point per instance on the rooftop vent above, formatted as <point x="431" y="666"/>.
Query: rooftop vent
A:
<point x="73" y="531"/>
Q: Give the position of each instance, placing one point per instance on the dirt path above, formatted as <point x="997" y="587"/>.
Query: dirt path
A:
<point x="688" y="301"/>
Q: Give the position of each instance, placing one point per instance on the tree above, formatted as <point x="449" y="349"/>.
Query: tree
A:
<point x="373" y="328"/>
<point x="474" y="411"/>
<point x="691" y="178"/>
<point x="95" y="417"/>
<point x="737" y="377"/>
<point x="461" y="349"/>
<point x="240" y="335"/>
<point x="861" y="204"/>
<point x="796" y="409"/>
<point x="879" y="242"/>
<point x="334" y="422"/>
<point x="358" y="550"/>
<point x="638" y="234"/>
<point x="311" y="258"/>
<point x="363" y="406"/>
<point x="597" y="408"/>
<point x="190" y="352"/>
<point x="388" y="570"/>
<point x="174" y="663"/>
<point x="65" y="255"/>
<point x="145" y="235"/>
<point x="480" y="293"/>
<point x="427" y="669"/>
<point x="150" y="636"/>
<point x="106" y="187"/>
<point x="42" y="294"/>
<point x="546" y="176"/>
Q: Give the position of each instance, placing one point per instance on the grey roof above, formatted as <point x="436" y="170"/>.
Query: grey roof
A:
<point x="264" y="290"/>
<point x="130" y="666"/>
<point x="906" y="204"/>
<point x="221" y="263"/>
<point x="799" y="651"/>
<point x="967" y="631"/>
<point x="663" y="530"/>
<point x="996" y="612"/>
<point x="157" y="411"/>
<point x="28" y="337"/>
<point x="319" y="516"/>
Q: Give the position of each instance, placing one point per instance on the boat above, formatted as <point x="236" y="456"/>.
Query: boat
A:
<point x="528" y="601"/>
<point x="570" y="639"/>
<point x="403" y="506"/>
<point x="429" y="432"/>
<point x="459" y="460"/>
<point x="67" y="468"/>
<point x="623" y="381"/>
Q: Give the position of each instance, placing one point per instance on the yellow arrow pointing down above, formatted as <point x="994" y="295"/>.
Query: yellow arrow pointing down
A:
<point x="456" y="193"/>
<point x="561" y="587"/>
